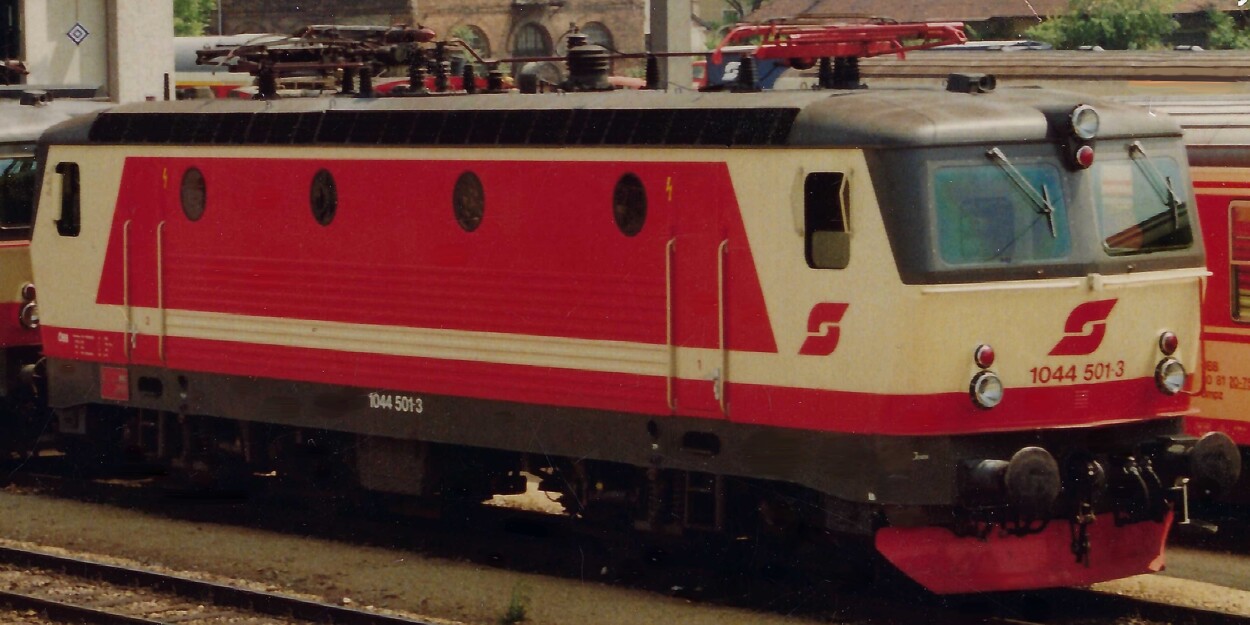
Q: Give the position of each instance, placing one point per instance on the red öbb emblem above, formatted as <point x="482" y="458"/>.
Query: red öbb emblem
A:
<point x="822" y="329"/>
<point x="1085" y="328"/>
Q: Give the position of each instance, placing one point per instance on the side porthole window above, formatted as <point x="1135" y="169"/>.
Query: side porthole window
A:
<point x="193" y="195"/>
<point x="629" y="205"/>
<point x="468" y="201"/>
<point x="1239" y="257"/>
<point x="827" y="237"/>
<point x="69" y="223"/>
<point x="323" y="197"/>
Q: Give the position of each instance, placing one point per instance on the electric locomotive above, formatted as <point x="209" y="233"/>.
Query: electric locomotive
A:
<point x="956" y="323"/>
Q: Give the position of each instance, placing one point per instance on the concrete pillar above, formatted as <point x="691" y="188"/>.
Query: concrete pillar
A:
<point x="141" y="48"/>
<point x="670" y="32"/>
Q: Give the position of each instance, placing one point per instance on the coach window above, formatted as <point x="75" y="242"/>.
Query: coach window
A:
<point x="18" y="176"/>
<point x="69" y="225"/>
<point x="1239" y="257"/>
<point x="827" y="238"/>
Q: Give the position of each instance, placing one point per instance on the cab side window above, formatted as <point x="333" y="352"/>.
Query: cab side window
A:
<point x="827" y="236"/>
<point x="18" y="179"/>
<point x="1239" y="257"/>
<point x="71" y="211"/>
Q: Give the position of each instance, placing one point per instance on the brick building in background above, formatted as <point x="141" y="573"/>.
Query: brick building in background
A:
<point x="287" y="16"/>
<point x="497" y="28"/>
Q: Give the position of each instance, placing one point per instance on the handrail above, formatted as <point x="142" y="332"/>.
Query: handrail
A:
<point x="668" y="321"/>
<point x="126" y="287"/>
<point x="724" y="354"/>
<point x="160" y="287"/>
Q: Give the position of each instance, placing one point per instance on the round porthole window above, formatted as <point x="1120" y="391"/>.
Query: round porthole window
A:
<point x="323" y="197"/>
<point x="629" y="205"/>
<point x="468" y="200"/>
<point x="193" y="194"/>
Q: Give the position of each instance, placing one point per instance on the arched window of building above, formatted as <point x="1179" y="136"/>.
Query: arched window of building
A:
<point x="475" y="37"/>
<point x="598" y="34"/>
<point x="531" y="40"/>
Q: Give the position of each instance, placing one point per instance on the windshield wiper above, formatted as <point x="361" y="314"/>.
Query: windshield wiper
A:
<point x="1160" y="183"/>
<point x="1041" y="201"/>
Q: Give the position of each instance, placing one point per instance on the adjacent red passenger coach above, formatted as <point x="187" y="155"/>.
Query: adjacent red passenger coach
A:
<point x="1218" y="140"/>
<point x="957" y="323"/>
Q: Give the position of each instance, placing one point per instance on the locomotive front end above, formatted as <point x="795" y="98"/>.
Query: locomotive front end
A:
<point x="1057" y="274"/>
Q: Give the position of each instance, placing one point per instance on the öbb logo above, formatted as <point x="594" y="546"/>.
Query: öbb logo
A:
<point x="1085" y="329"/>
<point x="822" y="329"/>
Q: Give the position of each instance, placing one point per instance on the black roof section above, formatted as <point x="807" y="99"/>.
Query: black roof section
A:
<point x="831" y="118"/>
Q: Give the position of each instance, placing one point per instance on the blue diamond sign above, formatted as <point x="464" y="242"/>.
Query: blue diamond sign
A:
<point x="78" y="33"/>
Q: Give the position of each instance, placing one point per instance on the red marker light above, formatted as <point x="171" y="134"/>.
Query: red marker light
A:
<point x="983" y="356"/>
<point x="1168" y="343"/>
<point x="1085" y="156"/>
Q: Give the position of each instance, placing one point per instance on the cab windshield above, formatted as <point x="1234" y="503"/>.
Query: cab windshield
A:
<point x="1141" y="200"/>
<point x="991" y="214"/>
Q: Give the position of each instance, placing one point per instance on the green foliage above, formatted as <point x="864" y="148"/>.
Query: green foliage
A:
<point x="1223" y="33"/>
<point x="191" y="17"/>
<point x="1112" y="24"/>
<point x="516" y="611"/>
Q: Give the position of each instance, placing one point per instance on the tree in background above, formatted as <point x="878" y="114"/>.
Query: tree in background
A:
<point x="191" y="17"/>
<point x="1112" y="24"/>
<point x="1223" y="33"/>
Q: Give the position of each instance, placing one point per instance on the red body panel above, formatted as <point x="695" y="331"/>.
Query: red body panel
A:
<point x="948" y="564"/>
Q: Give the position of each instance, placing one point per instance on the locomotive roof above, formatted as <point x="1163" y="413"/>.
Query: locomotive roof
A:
<point x="833" y="118"/>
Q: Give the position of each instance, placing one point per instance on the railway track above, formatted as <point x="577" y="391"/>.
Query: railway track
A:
<point x="83" y="591"/>
<point x="549" y="546"/>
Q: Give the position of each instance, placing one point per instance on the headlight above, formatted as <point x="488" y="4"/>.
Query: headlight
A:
<point x="29" y="316"/>
<point x="1084" y="121"/>
<point x="986" y="389"/>
<point x="1170" y="376"/>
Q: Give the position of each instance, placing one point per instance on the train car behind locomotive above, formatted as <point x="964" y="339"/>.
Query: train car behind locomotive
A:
<point x="1217" y="132"/>
<point x="956" y="323"/>
<point x="25" y="112"/>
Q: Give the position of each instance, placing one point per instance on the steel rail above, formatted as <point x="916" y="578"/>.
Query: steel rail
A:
<point x="69" y="613"/>
<point x="270" y="604"/>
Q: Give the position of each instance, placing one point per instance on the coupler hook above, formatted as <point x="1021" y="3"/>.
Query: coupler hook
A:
<point x="1080" y="533"/>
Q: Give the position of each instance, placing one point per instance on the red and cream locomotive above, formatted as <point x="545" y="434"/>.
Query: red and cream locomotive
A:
<point x="957" y="323"/>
